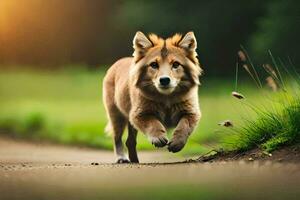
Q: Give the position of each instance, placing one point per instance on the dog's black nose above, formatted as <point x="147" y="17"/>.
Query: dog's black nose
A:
<point x="164" y="81"/>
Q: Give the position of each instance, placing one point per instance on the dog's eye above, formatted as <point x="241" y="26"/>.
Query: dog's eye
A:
<point x="175" y="65"/>
<point x="154" y="65"/>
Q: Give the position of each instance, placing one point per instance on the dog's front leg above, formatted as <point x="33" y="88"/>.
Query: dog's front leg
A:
<point x="152" y="127"/>
<point x="182" y="131"/>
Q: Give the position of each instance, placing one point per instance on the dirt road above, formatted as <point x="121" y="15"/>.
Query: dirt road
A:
<point x="31" y="171"/>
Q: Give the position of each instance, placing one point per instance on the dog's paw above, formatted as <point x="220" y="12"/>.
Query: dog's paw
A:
<point x="159" y="141"/>
<point x="176" y="145"/>
<point x="122" y="160"/>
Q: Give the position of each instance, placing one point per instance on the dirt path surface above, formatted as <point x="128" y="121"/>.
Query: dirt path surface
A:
<point x="17" y="152"/>
<point x="31" y="171"/>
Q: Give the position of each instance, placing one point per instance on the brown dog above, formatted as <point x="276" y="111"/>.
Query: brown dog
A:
<point x="154" y="90"/>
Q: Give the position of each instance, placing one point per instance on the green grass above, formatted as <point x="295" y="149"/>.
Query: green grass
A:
<point x="67" y="102"/>
<point x="276" y="121"/>
<point x="275" y="125"/>
<point x="66" y="107"/>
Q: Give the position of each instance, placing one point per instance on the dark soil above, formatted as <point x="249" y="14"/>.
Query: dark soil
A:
<point x="289" y="154"/>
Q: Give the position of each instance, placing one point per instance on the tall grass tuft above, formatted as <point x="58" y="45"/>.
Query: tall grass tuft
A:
<point x="272" y="129"/>
<point x="276" y="124"/>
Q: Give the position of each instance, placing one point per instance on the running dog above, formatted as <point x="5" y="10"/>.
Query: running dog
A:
<point x="152" y="91"/>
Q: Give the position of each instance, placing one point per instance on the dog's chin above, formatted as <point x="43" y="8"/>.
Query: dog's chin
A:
<point x="165" y="90"/>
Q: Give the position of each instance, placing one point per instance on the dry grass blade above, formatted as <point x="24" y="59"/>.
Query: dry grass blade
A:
<point x="269" y="69"/>
<point x="237" y="95"/>
<point x="271" y="83"/>
<point x="255" y="76"/>
<point x="226" y="123"/>
<point x="242" y="56"/>
<point x="245" y="66"/>
<point x="280" y="79"/>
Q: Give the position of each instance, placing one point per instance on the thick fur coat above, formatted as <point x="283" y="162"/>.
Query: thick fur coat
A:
<point x="152" y="91"/>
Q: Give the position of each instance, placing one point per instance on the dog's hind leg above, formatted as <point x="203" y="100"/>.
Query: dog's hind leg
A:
<point x="118" y="123"/>
<point x="131" y="144"/>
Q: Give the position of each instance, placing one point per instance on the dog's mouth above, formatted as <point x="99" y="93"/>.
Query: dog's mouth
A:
<point x="165" y="89"/>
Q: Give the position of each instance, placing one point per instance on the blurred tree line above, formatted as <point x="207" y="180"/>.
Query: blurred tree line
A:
<point x="53" y="33"/>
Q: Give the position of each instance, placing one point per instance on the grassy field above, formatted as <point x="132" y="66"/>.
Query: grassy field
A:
<point x="66" y="107"/>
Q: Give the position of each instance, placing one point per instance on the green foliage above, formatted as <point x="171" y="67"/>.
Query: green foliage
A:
<point x="8" y="125"/>
<point x="34" y="122"/>
<point x="273" y="128"/>
<point x="276" y="123"/>
<point x="33" y="125"/>
<point x="59" y="106"/>
<point x="277" y="30"/>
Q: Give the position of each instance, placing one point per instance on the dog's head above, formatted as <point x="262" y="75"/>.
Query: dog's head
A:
<point x="165" y="66"/>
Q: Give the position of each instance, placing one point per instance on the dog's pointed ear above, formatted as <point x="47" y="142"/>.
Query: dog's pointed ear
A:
<point x="141" y="44"/>
<point x="188" y="42"/>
